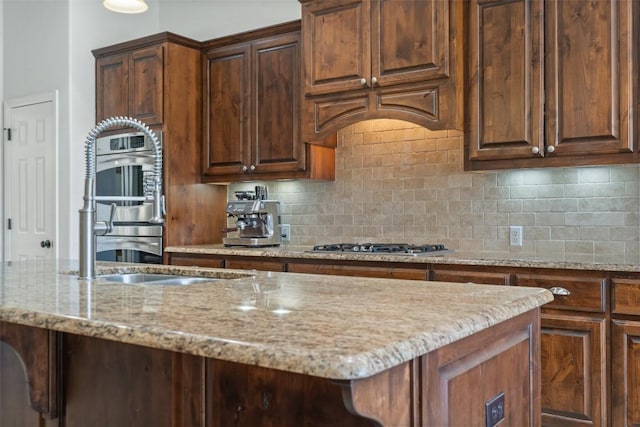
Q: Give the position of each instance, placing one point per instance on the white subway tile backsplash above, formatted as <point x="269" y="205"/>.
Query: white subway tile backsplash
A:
<point x="399" y="182"/>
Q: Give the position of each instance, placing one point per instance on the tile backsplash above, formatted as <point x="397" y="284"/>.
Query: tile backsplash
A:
<point x="398" y="182"/>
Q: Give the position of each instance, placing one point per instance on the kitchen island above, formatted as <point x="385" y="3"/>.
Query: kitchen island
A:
<point x="262" y="348"/>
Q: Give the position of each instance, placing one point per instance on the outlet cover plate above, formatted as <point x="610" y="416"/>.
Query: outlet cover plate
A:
<point x="285" y="232"/>
<point x="515" y="235"/>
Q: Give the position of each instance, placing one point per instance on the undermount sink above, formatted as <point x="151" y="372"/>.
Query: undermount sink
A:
<point x="155" y="279"/>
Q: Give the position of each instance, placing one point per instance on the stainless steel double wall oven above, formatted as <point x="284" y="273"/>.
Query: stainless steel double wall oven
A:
<point x="124" y="166"/>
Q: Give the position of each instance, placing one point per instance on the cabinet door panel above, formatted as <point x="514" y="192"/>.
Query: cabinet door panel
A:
<point x="589" y="78"/>
<point x="336" y="34"/>
<point x="277" y="145"/>
<point x="226" y="146"/>
<point x="146" y="85"/>
<point x="574" y="374"/>
<point x="625" y="355"/>
<point x="112" y="86"/>
<point x="417" y="52"/>
<point x="505" y="108"/>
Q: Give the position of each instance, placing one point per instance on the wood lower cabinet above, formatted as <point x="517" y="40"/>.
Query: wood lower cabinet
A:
<point x="625" y="350"/>
<point x="574" y="370"/>
<point x="109" y="383"/>
<point x="568" y="86"/>
<point x="358" y="270"/>
<point x="358" y="65"/>
<point x="472" y="275"/>
<point x="574" y="347"/>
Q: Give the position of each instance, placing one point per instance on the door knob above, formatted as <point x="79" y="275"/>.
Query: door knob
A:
<point x="45" y="244"/>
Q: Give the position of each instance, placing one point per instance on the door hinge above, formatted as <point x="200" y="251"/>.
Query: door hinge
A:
<point x="8" y="133"/>
<point x="9" y="224"/>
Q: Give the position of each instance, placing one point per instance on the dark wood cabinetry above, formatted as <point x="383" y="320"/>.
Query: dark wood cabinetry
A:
<point x="575" y="335"/>
<point x="252" y="110"/>
<point x="358" y="65"/>
<point x="574" y="339"/>
<point x="547" y="89"/>
<point x="110" y="383"/>
<point x="625" y="350"/>
<point x="158" y="80"/>
<point x="130" y="84"/>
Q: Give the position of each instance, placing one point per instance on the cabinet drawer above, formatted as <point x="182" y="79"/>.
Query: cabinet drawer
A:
<point x="249" y="264"/>
<point x="196" y="261"/>
<point x="359" y="271"/>
<point x="463" y="276"/>
<point x="579" y="293"/>
<point x="626" y="296"/>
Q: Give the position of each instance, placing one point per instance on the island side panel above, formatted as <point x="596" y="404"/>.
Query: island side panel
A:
<point x="502" y="359"/>
<point x="249" y="396"/>
<point x="29" y="361"/>
<point x="108" y="383"/>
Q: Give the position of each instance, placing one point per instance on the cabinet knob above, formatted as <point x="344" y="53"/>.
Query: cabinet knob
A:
<point x="363" y="82"/>
<point x="535" y="150"/>
<point x="550" y="148"/>
<point x="373" y="81"/>
<point x="561" y="292"/>
<point x="244" y="168"/>
<point x="252" y="168"/>
<point x="45" y="244"/>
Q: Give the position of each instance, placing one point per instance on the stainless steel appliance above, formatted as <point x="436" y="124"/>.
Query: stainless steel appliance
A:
<point x="125" y="177"/>
<point x="384" y="248"/>
<point x="257" y="220"/>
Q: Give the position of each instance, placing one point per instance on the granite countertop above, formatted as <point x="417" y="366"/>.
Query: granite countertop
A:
<point x="326" y="326"/>
<point x="452" y="257"/>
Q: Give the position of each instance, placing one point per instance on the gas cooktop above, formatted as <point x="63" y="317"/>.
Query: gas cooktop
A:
<point x="383" y="248"/>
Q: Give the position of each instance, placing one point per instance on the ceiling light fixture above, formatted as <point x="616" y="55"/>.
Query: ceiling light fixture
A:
<point x="126" y="6"/>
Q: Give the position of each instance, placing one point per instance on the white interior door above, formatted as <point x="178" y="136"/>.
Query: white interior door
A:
<point x="31" y="178"/>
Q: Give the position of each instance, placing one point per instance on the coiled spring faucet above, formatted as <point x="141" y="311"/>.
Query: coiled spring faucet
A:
<point x="89" y="227"/>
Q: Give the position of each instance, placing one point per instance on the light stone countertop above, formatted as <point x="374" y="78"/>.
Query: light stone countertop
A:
<point x="326" y="326"/>
<point x="452" y="257"/>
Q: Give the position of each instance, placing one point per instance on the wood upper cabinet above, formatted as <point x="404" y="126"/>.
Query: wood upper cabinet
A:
<point x="130" y="84"/>
<point x="252" y="109"/>
<point x="506" y="96"/>
<point x="548" y="89"/>
<point x="368" y="59"/>
<point x="158" y="80"/>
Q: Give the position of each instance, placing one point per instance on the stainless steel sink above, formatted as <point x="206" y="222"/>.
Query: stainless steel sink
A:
<point x="155" y="279"/>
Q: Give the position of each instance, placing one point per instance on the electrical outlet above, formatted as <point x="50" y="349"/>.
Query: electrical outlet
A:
<point x="494" y="410"/>
<point x="515" y="235"/>
<point x="285" y="232"/>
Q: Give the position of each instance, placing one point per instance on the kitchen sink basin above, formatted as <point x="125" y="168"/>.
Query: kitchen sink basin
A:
<point x="155" y="279"/>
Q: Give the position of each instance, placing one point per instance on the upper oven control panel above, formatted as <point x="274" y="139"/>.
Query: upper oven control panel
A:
<point x="134" y="141"/>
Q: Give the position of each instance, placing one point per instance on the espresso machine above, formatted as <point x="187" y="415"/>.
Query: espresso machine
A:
<point x="257" y="220"/>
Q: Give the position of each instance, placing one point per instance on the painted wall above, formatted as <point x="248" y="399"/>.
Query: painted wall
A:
<point x="47" y="46"/>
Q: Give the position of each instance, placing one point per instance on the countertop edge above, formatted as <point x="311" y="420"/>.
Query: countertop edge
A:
<point x="449" y="258"/>
<point x="338" y="368"/>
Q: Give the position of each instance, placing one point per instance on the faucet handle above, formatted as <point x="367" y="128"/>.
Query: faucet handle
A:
<point x="112" y="216"/>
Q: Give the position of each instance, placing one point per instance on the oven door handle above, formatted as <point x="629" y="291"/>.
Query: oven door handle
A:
<point x="152" y="245"/>
<point x="124" y="159"/>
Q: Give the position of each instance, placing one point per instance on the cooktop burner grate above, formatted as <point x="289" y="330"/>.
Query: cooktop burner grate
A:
<point x="388" y="248"/>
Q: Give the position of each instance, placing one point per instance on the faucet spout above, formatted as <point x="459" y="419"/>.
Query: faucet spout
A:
<point x="89" y="227"/>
